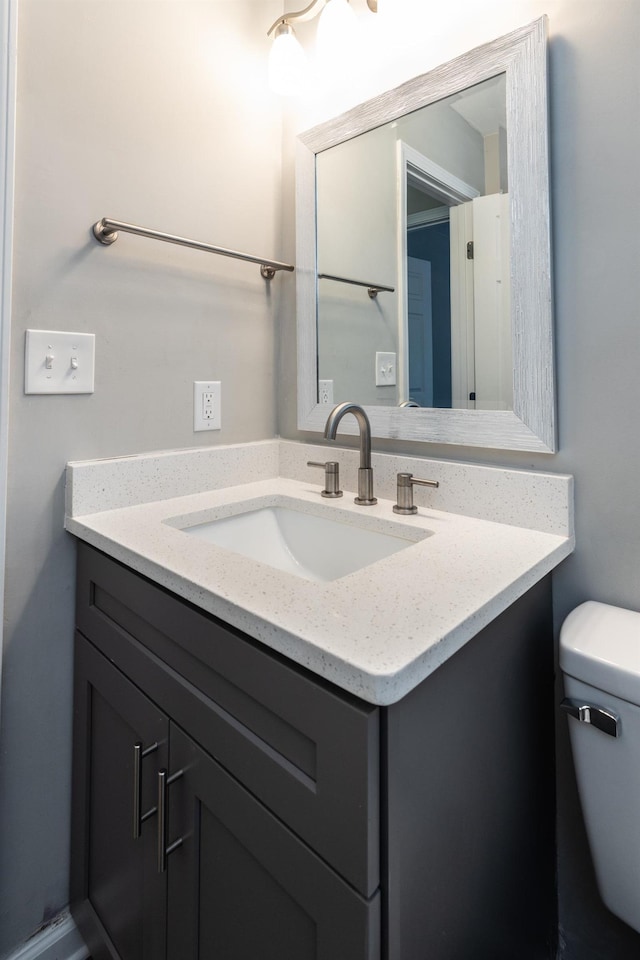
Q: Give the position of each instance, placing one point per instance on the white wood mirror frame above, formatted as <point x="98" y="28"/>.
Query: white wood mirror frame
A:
<point x="522" y="56"/>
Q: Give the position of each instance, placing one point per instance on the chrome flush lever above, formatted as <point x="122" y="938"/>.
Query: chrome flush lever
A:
<point x="406" y="483"/>
<point x="598" y="717"/>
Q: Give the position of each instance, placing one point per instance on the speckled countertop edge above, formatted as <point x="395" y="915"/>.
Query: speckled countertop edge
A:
<point x="377" y="632"/>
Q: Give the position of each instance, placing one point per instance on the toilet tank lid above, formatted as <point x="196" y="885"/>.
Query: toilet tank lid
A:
<point x="600" y="645"/>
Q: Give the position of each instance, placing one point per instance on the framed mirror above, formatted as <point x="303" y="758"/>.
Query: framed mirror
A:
<point x="423" y="255"/>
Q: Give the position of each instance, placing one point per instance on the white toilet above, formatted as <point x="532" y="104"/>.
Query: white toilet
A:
<point x="600" y="659"/>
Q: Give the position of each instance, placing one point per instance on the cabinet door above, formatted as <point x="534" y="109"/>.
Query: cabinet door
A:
<point x="242" y="885"/>
<point x="118" y="896"/>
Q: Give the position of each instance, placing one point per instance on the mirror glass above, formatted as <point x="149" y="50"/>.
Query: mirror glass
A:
<point x="423" y="259"/>
<point x="418" y="206"/>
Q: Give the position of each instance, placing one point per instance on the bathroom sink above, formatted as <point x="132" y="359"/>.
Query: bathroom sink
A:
<point x="313" y="547"/>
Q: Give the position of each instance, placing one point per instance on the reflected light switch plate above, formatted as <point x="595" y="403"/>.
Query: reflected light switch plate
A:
<point x="59" y="362"/>
<point x="385" y="369"/>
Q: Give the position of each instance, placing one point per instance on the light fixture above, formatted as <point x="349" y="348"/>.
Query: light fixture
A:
<point x="336" y="31"/>
<point x="287" y="62"/>
<point x="287" y="67"/>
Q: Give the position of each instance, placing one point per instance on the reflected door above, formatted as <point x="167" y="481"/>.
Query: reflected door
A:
<point x="481" y="347"/>
<point x="491" y="303"/>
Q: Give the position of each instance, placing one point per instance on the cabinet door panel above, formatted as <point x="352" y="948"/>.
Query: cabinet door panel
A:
<point x="243" y="885"/>
<point x="118" y="896"/>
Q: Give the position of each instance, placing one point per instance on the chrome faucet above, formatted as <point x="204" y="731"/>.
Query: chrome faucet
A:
<point x="365" y="473"/>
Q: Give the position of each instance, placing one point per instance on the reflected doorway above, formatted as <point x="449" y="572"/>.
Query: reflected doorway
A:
<point x="429" y="313"/>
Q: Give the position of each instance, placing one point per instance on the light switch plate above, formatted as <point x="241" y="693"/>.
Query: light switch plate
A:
<point x="385" y="369"/>
<point x="59" y="362"/>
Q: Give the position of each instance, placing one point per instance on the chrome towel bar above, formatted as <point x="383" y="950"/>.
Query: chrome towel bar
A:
<point x="373" y="289"/>
<point x="106" y="231"/>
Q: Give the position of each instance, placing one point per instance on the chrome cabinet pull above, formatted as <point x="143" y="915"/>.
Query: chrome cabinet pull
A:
<point x="598" y="717"/>
<point x="138" y="816"/>
<point x="164" y="782"/>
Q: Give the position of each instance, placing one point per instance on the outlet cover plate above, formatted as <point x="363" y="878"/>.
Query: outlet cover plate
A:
<point x="59" y="362"/>
<point x="325" y="391"/>
<point x="207" y="413"/>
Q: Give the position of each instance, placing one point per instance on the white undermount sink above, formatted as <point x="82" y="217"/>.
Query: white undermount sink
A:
<point x="313" y="547"/>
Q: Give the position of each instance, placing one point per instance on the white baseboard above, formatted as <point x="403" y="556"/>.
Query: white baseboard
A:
<point x="61" y="940"/>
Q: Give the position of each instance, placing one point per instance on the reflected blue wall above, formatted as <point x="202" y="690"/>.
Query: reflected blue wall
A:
<point x="432" y="243"/>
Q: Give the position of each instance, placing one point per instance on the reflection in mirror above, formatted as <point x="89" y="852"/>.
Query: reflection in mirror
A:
<point x="430" y="191"/>
<point x="423" y="255"/>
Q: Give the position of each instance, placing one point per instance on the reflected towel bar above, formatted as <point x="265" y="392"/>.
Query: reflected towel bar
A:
<point x="106" y="231"/>
<point x="373" y="289"/>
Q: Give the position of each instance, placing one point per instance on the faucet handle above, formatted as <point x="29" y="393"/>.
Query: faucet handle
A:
<point x="406" y="482"/>
<point x="331" y="477"/>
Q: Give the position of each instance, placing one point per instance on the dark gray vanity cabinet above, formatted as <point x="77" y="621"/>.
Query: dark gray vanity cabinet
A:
<point x="299" y="821"/>
<point x="234" y="769"/>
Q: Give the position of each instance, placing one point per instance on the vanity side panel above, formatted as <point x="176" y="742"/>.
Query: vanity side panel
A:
<point x="470" y="798"/>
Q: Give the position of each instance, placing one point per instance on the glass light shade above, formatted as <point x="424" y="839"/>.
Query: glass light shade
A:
<point x="337" y="28"/>
<point x="287" y="66"/>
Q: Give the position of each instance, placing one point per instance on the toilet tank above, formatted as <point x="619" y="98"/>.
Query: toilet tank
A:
<point x="600" y="660"/>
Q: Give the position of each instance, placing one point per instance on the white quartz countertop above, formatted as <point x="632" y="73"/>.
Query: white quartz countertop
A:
<point x="377" y="632"/>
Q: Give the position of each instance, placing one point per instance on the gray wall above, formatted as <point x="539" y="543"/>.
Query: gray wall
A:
<point x="359" y="178"/>
<point x="157" y="113"/>
<point x="595" y="142"/>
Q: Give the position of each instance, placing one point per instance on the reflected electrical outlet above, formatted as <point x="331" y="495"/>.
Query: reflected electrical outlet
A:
<point x="325" y="391"/>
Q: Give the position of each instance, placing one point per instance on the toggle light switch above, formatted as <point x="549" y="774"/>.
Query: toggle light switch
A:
<point x="59" y="362"/>
<point x="385" y="369"/>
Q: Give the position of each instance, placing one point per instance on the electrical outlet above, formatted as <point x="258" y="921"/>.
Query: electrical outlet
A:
<point x="207" y="414"/>
<point x="208" y="405"/>
<point x="325" y="391"/>
<point x="385" y="369"/>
